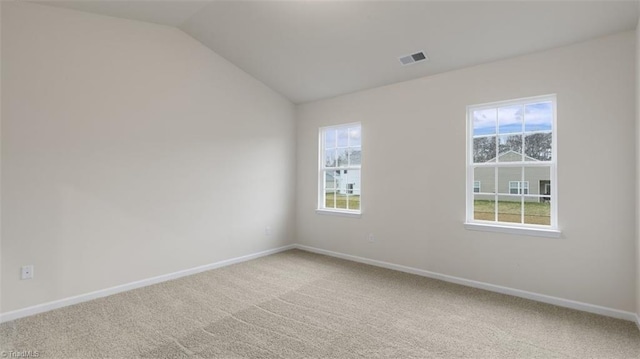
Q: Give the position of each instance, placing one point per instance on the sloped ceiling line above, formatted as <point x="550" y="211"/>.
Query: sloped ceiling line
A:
<point x="309" y="50"/>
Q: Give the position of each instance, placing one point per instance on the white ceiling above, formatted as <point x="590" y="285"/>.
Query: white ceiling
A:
<point x="169" y="12"/>
<point x="308" y="50"/>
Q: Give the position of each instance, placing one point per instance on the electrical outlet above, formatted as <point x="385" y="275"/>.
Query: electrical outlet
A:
<point x="267" y="231"/>
<point x="371" y="238"/>
<point x="26" y="272"/>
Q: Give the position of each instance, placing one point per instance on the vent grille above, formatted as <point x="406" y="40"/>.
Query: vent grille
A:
<point x="413" y="58"/>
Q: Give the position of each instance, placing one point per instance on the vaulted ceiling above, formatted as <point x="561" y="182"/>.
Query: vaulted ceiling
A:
<point x="309" y="50"/>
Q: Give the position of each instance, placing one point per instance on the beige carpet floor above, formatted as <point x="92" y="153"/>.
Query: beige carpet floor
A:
<point x="302" y="305"/>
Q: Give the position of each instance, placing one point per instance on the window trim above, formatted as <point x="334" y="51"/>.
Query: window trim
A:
<point x="320" y="209"/>
<point x="470" y="223"/>
<point x="491" y="227"/>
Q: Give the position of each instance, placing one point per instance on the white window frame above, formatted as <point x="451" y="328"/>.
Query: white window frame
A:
<point x="321" y="209"/>
<point x="551" y="230"/>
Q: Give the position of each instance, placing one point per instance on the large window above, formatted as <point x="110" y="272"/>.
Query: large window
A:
<point x="511" y="150"/>
<point x="340" y="168"/>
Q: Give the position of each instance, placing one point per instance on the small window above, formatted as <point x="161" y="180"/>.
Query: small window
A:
<point x="511" y="150"/>
<point x="518" y="187"/>
<point x="350" y="187"/>
<point x="340" y="169"/>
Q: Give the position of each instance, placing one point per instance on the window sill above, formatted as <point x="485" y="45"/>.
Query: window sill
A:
<point x="500" y="228"/>
<point x="339" y="213"/>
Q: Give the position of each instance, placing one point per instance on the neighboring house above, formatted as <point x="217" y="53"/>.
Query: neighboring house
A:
<point x="344" y="181"/>
<point x="536" y="179"/>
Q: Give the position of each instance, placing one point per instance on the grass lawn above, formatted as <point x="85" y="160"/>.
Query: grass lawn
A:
<point x="341" y="201"/>
<point x="534" y="212"/>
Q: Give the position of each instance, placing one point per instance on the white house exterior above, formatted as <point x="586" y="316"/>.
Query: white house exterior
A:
<point x="344" y="181"/>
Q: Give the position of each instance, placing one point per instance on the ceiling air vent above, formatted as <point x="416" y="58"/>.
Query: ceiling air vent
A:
<point x="413" y="58"/>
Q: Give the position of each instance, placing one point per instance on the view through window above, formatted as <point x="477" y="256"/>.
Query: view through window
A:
<point x="340" y="168"/>
<point x="511" y="152"/>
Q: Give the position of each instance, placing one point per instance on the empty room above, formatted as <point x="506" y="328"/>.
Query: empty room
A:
<point x="319" y="179"/>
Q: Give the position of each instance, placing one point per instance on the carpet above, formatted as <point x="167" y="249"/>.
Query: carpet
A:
<point x="297" y="304"/>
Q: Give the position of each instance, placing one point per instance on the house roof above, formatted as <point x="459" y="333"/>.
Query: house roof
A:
<point x="512" y="152"/>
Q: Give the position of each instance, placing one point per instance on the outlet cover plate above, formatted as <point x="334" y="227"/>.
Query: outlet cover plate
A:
<point x="26" y="272"/>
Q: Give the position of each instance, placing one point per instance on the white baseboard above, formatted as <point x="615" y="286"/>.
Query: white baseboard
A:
<point x="40" y="308"/>
<point x="591" y="308"/>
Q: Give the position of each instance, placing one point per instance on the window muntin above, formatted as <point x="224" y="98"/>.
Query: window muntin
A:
<point x="340" y="168"/>
<point x="511" y="151"/>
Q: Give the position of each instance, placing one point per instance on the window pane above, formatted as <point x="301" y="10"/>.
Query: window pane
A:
<point x="484" y="122"/>
<point x="352" y="189"/>
<point x="537" y="209"/>
<point x="342" y="157"/>
<point x="329" y="198"/>
<point x="510" y="147"/>
<point x="329" y="180"/>
<point x="509" y="179"/>
<point x="487" y="178"/>
<point x="329" y="139"/>
<point x="537" y="146"/>
<point x="330" y="184"/>
<point x="510" y="119"/>
<point x="355" y="137"/>
<point x="537" y="212"/>
<point x="355" y="156"/>
<point x="510" y="209"/>
<point x="538" y="117"/>
<point x="484" y="149"/>
<point x="539" y="179"/>
<point x="484" y="207"/>
<point x="352" y="183"/>
<point x="330" y="158"/>
<point x="343" y="136"/>
<point x="341" y="200"/>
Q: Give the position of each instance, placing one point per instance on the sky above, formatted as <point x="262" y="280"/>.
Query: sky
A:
<point x="537" y="117"/>
<point x="346" y="136"/>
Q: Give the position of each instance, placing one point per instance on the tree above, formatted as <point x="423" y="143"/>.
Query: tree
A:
<point x="484" y="149"/>
<point x="513" y="143"/>
<point x="538" y="146"/>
